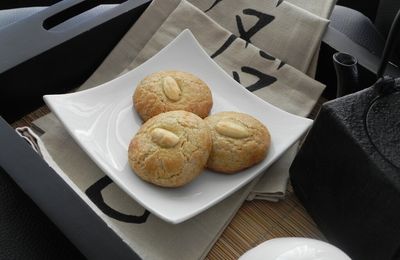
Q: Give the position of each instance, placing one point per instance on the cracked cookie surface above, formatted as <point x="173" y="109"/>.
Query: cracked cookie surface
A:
<point x="239" y="141"/>
<point x="172" y="90"/>
<point x="170" y="149"/>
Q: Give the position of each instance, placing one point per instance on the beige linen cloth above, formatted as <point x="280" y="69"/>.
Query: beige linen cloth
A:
<point x="296" y="32"/>
<point x="313" y="13"/>
<point x="268" y="77"/>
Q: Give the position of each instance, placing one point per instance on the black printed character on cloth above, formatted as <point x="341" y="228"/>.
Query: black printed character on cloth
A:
<point x="218" y="1"/>
<point x="263" y="20"/>
<point x="94" y="194"/>
<point x="213" y="5"/>
<point x="264" y="80"/>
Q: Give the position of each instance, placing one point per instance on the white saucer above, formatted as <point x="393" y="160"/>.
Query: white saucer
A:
<point x="294" y="248"/>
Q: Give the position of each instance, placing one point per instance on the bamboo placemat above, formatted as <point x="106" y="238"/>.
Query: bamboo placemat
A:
<point x="258" y="221"/>
<point x="255" y="222"/>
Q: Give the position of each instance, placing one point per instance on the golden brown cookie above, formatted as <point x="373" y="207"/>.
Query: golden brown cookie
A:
<point x="172" y="90"/>
<point x="170" y="149"/>
<point x="239" y="141"/>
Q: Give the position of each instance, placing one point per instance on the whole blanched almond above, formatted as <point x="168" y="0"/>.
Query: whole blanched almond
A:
<point x="171" y="88"/>
<point x="232" y="129"/>
<point x="164" y="138"/>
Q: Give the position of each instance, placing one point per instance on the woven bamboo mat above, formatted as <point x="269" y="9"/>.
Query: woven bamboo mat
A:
<point x="255" y="222"/>
<point x="258" y="221"/>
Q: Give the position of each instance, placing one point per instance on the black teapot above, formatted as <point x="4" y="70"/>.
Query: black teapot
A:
<point x="347" y="172"/>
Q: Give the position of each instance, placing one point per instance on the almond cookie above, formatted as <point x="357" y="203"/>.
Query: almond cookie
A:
<point x="172" y="90"/>
<point x="170" y="149"/>
<point x="239" y="141"/>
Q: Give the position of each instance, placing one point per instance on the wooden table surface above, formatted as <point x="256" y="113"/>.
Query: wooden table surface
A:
<point x="255" y="222"/>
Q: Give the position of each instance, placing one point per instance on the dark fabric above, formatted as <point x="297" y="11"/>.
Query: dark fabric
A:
<point x="384" y="19"/>
<point x="349" y="189"/>
<point x="368" y="8"/>
<point x="364" y="31"/>
<point x="25" y="231"/>
<point x="358" y="28"/>
<point x="386" y="12"/>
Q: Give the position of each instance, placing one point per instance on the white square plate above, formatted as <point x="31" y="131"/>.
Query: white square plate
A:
<point x="102" y="121"/>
